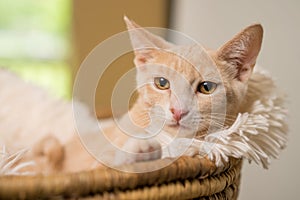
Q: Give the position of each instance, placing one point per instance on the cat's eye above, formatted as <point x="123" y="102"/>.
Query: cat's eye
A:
<point x="207" y="87"/>
<point x="161" y="83"/>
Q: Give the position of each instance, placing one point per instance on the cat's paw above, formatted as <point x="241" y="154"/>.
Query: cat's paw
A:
<point x="50" y="152"/>
<point x="137" y="151"/>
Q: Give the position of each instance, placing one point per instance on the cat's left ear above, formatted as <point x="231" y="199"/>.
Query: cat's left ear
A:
<point x="240" y="53"/>
<point x="143" y="42"/>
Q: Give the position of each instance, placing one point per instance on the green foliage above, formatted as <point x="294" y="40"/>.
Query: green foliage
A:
<point x="51" y="18"/>
<point x="53" y="76"/>
<point x="45" y="15"/>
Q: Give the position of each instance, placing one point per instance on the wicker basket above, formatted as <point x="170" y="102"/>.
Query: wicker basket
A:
<point x="185" y="178"/>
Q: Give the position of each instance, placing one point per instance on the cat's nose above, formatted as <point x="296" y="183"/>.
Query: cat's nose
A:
<point x="178" y="113"/>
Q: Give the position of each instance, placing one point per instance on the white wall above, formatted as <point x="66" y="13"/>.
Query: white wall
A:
<point x="212" y="23"/>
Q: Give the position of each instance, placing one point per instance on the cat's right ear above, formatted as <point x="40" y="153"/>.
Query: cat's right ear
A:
<point x="144" y="43"/>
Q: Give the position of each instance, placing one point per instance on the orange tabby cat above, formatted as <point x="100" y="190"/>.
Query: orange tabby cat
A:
<point x="191" y="90"/>
<point x="185" y="91"/>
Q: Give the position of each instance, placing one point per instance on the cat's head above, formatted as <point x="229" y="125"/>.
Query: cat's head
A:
<point x="195" y="89"/>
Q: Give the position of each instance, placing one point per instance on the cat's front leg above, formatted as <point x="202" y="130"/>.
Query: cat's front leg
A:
<point x="138" y="150"/>
<point x="49" y="154"/>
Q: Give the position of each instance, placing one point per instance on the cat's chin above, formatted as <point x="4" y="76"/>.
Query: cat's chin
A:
<point x="180" y="130"/>
<point x="179" y="126"/>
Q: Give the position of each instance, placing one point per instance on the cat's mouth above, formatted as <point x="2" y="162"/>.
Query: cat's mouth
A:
<point x="174" y="125"/>
<point x="178" y="125"/>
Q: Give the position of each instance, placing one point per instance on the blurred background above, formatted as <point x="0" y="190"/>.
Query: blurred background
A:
<point x="45" y="42"/>
<point x="35" y="41"/>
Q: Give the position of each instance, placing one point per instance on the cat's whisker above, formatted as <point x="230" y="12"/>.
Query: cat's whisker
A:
<point x="161" y="118"/>
<point x="216" y="124"/>
<point x="222" y="119"/>
<point x="218" y="120"/>
<point x="141" y="120"/>
<point x="142" y="115"/>
<point x="198" y="118"/>
<point x="157" y="114"/>
<point x="224" y="115"/>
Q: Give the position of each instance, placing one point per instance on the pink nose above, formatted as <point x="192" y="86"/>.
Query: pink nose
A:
<point x="178" y="113"/>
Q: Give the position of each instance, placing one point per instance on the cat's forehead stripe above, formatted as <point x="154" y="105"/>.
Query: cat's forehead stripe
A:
<point x="193" y="70"/>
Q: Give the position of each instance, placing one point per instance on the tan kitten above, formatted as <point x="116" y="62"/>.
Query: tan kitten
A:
<point x="185" y="91"/>
<point x="193" y="90"/>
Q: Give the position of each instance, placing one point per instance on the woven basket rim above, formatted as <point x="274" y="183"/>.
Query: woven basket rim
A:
<point x="103" y="180"/>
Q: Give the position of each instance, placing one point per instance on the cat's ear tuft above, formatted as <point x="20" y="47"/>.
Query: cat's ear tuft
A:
<point x="240" y="53"/>
<point x="143" y="42"/>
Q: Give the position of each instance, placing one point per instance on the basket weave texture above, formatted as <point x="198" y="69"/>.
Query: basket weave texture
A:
<point x="185" y="178"/>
